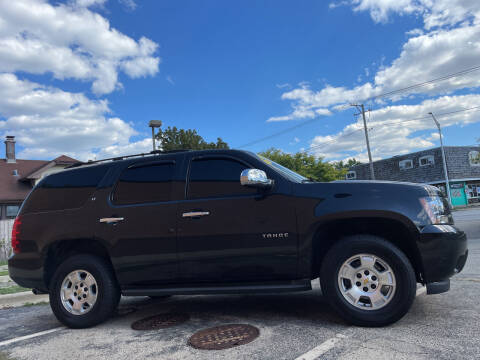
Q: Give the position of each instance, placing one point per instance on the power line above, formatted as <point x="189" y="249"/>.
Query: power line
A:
<point x="340" y="108"/>
<point x="315" y="147"/>
<point x="284" y="131"/>
<point x="426" y="117"/>
<point x="336" y="139"/>
<point x="428" y="82"/>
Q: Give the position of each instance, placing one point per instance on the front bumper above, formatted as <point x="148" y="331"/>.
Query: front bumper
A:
<point x="443" y="249"/>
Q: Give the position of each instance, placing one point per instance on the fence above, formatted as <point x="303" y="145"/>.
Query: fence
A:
<point x="5" y="238"/>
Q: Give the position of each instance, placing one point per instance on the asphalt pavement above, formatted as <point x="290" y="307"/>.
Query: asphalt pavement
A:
<point x="294" y="325"/>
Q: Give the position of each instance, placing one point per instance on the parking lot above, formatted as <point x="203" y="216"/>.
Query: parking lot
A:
<point x="296" y="325"/>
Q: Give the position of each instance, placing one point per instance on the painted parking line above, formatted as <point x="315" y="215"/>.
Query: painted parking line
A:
<point x="322" y="348"/>
<point x="31" y="336"/>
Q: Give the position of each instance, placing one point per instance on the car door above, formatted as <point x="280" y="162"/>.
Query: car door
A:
<point x="231" y="233"/>
<point x="139" y="223"/>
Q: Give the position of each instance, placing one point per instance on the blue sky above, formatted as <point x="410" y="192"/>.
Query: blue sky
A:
<point x="235" y="70"/>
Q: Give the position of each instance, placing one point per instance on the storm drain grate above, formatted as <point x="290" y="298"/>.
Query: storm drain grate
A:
<point x="160" y="321"/>
<point x="223" y="337"/>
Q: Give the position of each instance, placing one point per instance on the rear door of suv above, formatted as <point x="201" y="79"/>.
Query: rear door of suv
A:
<point x="231" y="233"/>
<point x="138" y="220"/>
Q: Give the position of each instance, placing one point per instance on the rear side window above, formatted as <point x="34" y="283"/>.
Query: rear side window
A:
<point x="68" y="189"/>
<point x="144" y="184"/>
<point x="216" y="178"/>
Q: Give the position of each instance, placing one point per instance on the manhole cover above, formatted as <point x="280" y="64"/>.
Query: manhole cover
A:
<point x="160" y="321"/>
<point x="224" y="337"/>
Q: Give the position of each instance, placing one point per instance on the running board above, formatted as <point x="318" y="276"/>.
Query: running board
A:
<point x="298" y="285"/>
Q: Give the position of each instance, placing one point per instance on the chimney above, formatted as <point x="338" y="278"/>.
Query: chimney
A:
<point x="10" y="149"/>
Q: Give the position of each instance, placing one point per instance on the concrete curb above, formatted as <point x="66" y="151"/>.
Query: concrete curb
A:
<point x="21" y="298"/>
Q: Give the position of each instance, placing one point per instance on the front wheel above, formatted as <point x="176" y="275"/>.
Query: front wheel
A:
<point x="84" y="291"/>
<point x="368" y="280"/>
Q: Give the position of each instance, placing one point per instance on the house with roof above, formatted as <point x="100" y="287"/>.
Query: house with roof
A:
<point x="426" y="167"/>
<point x="17" y="178"/>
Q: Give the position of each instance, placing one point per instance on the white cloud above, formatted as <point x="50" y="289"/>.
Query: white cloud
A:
<point x="449" y="43"/>
<point x="48" y="122"/>
<point x="282" y="86"/>
<point x="436" y="13"/>
<point x="129" y="4"/>
<point x="392" y="130"/>
<point x="380" y="10"/>
<point x="70" y="41"/>
<point x="301" y="112"/>
<point x="87" y="3"/>
<point x="422" y="58"/>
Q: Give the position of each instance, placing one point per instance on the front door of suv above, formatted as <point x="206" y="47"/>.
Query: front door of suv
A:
<point x="139" y="222"/>
<point x="231" y="233"/>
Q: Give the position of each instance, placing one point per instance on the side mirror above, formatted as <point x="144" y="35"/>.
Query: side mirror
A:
<point x="255" y="178"/>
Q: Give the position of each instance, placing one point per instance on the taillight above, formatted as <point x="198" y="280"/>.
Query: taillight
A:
<point x="16" y="235"/>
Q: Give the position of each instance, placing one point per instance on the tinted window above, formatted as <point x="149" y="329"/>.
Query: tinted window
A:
<point x="65" y="190"/>
<point x="142" y="184"/>
<point x="216" y="177"/>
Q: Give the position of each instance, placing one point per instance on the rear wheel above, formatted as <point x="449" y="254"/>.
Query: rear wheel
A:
<point x="84" y="291"/>
<point x="368" y="280"/>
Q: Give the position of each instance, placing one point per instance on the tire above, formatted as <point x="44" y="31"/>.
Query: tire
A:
<point x="99" y="297"/>
<point x="390" y="297"/>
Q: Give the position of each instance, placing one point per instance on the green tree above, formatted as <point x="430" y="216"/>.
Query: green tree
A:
<point x="307" y="165"/>
<point x="344" y="166"/>
<point x="341" y="165"/>
<point x="172" y="138"/>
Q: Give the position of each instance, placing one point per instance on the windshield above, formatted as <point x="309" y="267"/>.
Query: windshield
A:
<point x="292" y="175"/>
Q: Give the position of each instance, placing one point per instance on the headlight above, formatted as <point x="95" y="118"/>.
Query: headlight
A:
<point x="437" y="209"/>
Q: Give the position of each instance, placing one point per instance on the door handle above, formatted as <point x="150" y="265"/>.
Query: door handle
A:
<point x="111" y="220"/>
<point x="195" y="214"/>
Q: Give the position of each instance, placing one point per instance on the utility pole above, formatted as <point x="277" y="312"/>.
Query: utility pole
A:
<point x="361" y="108"/>
<point x="154" y="124"/>
<point x="447" y="182"/>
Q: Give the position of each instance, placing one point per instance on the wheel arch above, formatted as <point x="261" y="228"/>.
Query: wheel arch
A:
<point x="58" y="251"/>
<point x="393" y="230"/>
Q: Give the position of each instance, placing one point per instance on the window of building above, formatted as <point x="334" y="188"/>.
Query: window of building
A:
<point x="474" y="158"/>
<point x="216" y="177"/>
<point x="426" y="160"/>
<point x="12" y="210"/>
<point x="473" y="191"/>
<point x="144" y="184"/>
<point x="405" y="164"/>
<point x="351" y="175"/>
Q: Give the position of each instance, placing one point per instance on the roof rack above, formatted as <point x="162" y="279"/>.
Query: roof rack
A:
<point x="154" y="152"/>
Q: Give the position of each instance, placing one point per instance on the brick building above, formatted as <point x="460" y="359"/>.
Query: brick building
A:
<point x="463" y="166"/>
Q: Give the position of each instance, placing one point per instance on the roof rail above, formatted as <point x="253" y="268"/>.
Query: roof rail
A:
<point x="154" y="152"/>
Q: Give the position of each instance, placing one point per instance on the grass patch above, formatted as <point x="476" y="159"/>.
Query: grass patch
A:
<point x="3" y="273"/>
<point x="3" y="262"/>
<point x="12" y="290"/>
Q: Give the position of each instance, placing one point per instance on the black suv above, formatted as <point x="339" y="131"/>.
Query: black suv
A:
<point x="227" y="221"/>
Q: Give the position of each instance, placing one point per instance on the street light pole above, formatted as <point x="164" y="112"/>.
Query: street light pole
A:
<point x="447" y="182"/>
<point x="154" y="124"/>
